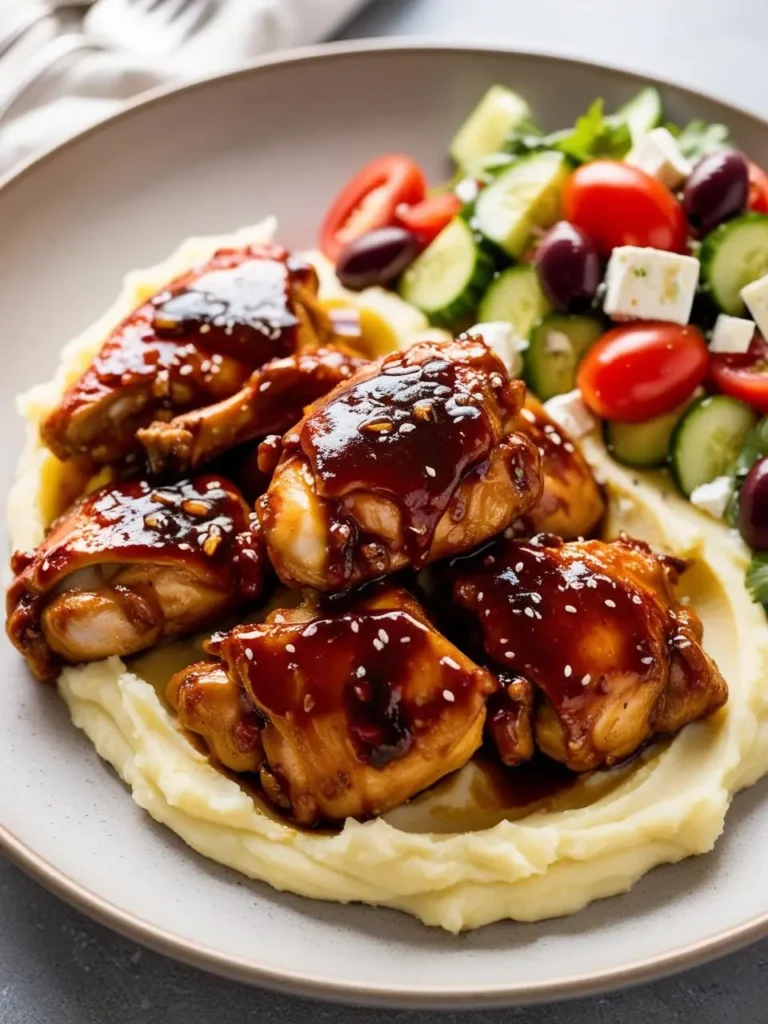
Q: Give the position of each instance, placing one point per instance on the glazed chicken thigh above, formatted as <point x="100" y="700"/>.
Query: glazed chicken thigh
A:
<point x="411" y="460"/>
<point x="614" y="657"/>
<point x="194" y="344"/>
<point x="129" y="565"/>
<point x="364" y="707"/>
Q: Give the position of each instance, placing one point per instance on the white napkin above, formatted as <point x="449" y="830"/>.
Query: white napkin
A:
<point x="88" y="85"/>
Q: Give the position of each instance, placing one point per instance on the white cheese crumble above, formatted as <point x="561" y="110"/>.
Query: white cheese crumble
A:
<point x="713" y="497"/>
<point x="731" y="334"/>
<point x="570" y="413"/>
<point x="755" y="296"/>
<point x="659" y="155"/>
<point x="650" y="284"/>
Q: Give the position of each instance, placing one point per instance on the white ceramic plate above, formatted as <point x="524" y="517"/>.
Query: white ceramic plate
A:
<point x="280" y="138"/>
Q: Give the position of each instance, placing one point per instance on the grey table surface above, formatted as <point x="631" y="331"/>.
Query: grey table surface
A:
<point x="56" y="966"/>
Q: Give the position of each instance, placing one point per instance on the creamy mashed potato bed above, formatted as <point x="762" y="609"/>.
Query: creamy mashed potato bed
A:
<point x="552" y="861"/>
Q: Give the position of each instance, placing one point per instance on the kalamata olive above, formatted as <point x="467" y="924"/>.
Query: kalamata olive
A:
<point x="376" y="258"/>
<point x="568" y="265"/>
<point x="716" y="190"/>
<point x="753" y="506"/>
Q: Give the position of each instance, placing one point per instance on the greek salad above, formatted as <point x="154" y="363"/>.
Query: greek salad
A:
<point x="626" y="258"/>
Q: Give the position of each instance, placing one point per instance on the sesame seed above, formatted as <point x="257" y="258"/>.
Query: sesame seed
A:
<point x="504" y="640"/>
<point x="290" y="648"/>
<point x="529" y="612"/>
<point x="249" y="653"/>
<point x="536" y="598"/>
<point x="354" y="626"/>
<point x="636" y="599"/>
<point x="378" y="645"/>
<point x="309" y="702"/>
<point x="519" y="567"/>
<point x="586" y="680"/>
<point x="383" y="636"/>
<point x="311" y="629"/>
<point x="185" y="370"/>
<point x="360" y="672"/>
<point x="567" y="671"/>
<point x="450" y="662"/>
<point x="647" y="661"/>
<point x="609" y="603"/>
<point x="480" y="596"/>
<point x="430" y="471"/>
<point x="568" y="446"/>
<point x="406" y="428"/>
<point x="266" y="384"/>
<point x="509" y="654"/>
<point x="570" y="608"/>
<point x="447" y="695"/>
<point x="405" y="639"/>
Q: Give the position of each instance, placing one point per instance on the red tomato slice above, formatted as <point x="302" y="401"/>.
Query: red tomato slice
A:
<point x="743" y="376"/>
<point x="369" y="200"/>
<point x="617" y="204"/>
<point x="758" y="189"/>
<point x="642" y="370"/>
<point x="428" y="218"/>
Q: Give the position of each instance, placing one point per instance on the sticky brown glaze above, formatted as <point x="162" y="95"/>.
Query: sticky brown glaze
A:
<point x="571" y="503"/>
<point x="411" y="460"/>
<point x="194" y="344"/>
<point x="216" y="708"/>
<point x="510" y="719"/>
<point x="129" y="565"/>
<point x="272" y="400"/>
<point x="597" y="629"/>
<point x="364" y="706"/>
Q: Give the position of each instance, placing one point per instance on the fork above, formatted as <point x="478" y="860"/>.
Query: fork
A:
<point x="147" y="27"/>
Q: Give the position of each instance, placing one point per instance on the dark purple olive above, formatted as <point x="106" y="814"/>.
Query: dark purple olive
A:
<point x="716" y="190"/>
<point x="568" y="265"/>
<point x="377" y="257"/>
<point x="753" y="506"/>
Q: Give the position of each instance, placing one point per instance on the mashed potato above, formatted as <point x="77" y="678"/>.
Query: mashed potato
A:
<point x="450" y="857"/>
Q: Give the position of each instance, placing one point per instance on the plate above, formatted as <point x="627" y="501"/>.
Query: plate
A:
<point x="280" y="137"/>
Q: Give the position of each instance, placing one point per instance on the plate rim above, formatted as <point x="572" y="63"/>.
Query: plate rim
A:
<point x="166" y="942"/>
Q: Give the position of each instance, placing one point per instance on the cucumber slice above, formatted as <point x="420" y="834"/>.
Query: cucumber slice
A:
<point x="447" y="279"/>
<point x="733" y="255"/>
<point x="515" y="297"/>
<point x="484" y="131"/>
<point x="642" y="113"/>
<point x="522" y="198"/>
<point x="556" y="347"/>
<point x="642" y="445"/>
<point x="707" y="441"/>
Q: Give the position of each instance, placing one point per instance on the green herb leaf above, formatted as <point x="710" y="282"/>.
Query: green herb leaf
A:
<point x="755" y="447"/>
<point x="699" y="138"/>
<point x="593" y="136"/>
<point x="757" y="577"/>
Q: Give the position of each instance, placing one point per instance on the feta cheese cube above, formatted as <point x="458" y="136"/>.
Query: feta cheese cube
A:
<point x="713" y="497"/>
<point x="731" y="334"/>
<point x="755" y="296"/>
<point x="570" y="413"/>
<point x="502" y="338"/>
<point x="649" y="284"/>
<point x="659" y="155"/>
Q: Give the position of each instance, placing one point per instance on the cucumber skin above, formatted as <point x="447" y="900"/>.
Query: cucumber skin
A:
<point x="708" y="257"/>
<point x="658" y="459"/>
<point x="557" y="321"/>
<point x="487" y="311"/>
<point x="639" y="102"/>
<point x="675" y="440"/>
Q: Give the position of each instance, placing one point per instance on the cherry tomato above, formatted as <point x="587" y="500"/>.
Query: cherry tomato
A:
<point x="642" y="370"/>
<point x="428" y="218"/>
<point x="758" y="189"/>
<point x="743" y="376"/>
<point x="369" y="200"/>
<point x="618" y="204"/>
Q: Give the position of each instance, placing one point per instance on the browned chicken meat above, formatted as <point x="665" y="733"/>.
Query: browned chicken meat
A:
<point x="194" y="344"/>
<point x="129" y="565"/>
<point x="217" y="709"/>
<point x="571" y="504"/>
<point x="614" y="657"/>
<point x="272" y="400"/>
<point x="413" y="459"/>
<point x="364" y="707"/>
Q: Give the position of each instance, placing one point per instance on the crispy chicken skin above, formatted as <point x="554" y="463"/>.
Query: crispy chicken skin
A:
<point x="613" y="655"/>
<point x="272" y="400"/>
<point x="411" y="460"/>
<point x="217" y="709"/>
<point x="571" y="504"/>
<point x="130" y="565"/>
<point x="195" y="343"/>
<point x="364" y="707"/>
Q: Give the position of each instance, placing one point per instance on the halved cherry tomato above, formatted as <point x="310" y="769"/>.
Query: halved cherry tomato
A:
<point x="369" y="200"/>
<point x="428" y="218"/>
<point x="743" y="376"/>
<point x="758" y="189"/>
<point x="642" y="370"/>
<point x="618" y="204"/>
